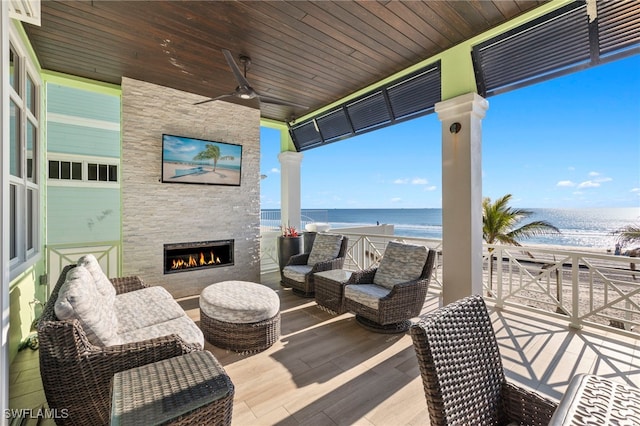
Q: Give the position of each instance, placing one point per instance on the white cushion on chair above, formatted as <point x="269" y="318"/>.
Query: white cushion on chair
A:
<point x="366" y="294"/>
<point x="79" y="298"/>
<point x="325" y="247"/>
<point x="400" y="263"/>
<point x="296" y="272"/>
<point x="103" y="284"/>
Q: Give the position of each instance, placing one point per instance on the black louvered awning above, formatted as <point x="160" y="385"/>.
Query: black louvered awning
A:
<point x="573" y="37"/>
<point x="560" y="42"/>
<point x="411" y="96"/>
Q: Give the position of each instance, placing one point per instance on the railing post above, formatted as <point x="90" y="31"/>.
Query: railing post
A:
<point x="575" y="292"/>
<point x="499" y="257"/>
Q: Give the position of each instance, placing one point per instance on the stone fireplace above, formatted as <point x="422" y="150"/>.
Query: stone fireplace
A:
<point x="156" y="213"/>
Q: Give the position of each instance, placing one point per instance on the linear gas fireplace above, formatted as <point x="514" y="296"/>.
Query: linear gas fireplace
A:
<point x="181" y="257"/>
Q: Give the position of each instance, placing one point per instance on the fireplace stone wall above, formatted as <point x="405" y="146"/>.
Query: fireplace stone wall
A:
<point x="155" y="213"/>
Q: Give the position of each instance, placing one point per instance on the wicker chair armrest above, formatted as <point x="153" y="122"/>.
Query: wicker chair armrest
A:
<point x="526" y="407"/>
<point x="328" y="265"/>
<point x="363" y="277"/>
<point x="127" y="284"/>
<point x="130" y="355"/>
<point x="408" y="287"/>
<point x="298" y="259"/>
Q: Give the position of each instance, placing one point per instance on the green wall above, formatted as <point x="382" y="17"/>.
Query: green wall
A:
<point x="82" y="215"/>
<point x="83" y="103"/>
<point x="74" y="139"/>
<point x="82" y="120"/>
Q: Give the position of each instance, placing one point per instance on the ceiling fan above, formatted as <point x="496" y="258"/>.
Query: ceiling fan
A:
<point x="244" y="89"/>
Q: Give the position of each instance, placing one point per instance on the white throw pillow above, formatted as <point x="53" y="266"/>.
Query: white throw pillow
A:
<point x="401" y="263"/>
<point x="106" y="289"/>
<point x="325" y="247"/>
<point x="78" y="298"/>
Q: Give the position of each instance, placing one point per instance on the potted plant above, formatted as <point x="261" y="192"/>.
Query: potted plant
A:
<point x="289" y="244"/>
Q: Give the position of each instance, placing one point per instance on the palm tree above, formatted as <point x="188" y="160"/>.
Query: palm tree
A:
<point x="500" y="225"/>
<point x="211" y="152"/>
<point x="628" y="234"/>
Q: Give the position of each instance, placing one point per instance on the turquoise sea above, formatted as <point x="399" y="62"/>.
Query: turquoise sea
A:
<point x="579" y="227"/>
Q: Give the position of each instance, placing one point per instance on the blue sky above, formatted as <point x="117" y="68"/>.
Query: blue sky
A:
<point x="570" y="142"/>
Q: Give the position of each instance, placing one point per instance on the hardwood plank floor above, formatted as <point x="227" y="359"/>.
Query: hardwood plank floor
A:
<point x="327" y="370"/>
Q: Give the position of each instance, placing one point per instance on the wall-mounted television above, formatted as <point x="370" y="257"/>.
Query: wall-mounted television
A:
<point x="190" y="160"/>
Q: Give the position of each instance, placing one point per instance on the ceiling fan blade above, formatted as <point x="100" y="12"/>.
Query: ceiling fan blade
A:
<point x="214" y="99"/>
<point x="276" y="101"/>
<point x="237" y="73"/>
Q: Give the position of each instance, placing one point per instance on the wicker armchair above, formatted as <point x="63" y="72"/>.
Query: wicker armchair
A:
<point x="76" y="375"/>
<point x="462" y="373"/>
<point x="387" y="305"/>
<point x="298" y="273"/>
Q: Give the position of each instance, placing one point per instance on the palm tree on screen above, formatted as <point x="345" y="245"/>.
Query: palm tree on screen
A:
<point x="211" y="152"/>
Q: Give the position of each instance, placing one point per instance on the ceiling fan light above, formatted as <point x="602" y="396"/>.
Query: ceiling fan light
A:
<point x="245" y="96"/>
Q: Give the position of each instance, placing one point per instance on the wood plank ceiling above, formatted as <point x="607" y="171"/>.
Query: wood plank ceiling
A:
<point x="307" y="52"/>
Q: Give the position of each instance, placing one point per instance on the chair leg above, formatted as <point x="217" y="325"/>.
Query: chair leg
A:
<point x="393" y="328"/>
<point x="301" y="293"/>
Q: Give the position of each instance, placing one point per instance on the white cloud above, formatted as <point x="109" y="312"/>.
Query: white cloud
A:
<point x="430" y="188"/>
<point x="589" y="184"/>
<point x="604" y="179"/>
<point x="571" y="168"/>
<point x="275" y="170"/>
<point x="594" y="174"/>
<point x="635" y="190"/>
<point x="565" y="183"/>
<point x="396" y="200"/>
<point x="414" y="181"/>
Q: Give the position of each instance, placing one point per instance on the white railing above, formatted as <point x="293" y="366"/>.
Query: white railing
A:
<point x="579" y="287"/>
<point x="270" y="220"/>
<point x="586" y="288"/>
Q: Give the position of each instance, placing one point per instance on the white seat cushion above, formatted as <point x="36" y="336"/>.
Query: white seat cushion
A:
<point x="366" y="294"/>
<point x="182" y="326"/>
<point x="401" y="263"/>
<point x="145" y="307"/>
<point x="104" y="285"/>
<point x="296" y="272"/>
<point x="79" y="298"/>
<point x="325" y="247"/>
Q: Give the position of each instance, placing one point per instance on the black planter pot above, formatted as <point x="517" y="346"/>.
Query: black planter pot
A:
<point x="309" y="238"/>
<point x="287" y="247"/>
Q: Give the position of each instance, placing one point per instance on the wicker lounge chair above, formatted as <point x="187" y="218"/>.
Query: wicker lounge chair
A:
<point x="328" y="252"/>
<point x="76" y="374"/>
<point x="384" y="298"/>
<point x="462" y="373"/>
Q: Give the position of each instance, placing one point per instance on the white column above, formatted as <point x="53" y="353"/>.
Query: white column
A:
<point x="290" y="162"/>
<point x="461" y="119"/>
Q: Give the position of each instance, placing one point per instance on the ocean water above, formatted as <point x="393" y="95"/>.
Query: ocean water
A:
<point x="579" y="227"/>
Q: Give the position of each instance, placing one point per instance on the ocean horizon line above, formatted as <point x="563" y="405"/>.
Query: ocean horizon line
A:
<point x="579" y="227"/>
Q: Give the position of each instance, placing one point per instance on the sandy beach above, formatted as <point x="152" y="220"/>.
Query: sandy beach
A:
<point x="222" y="176"/>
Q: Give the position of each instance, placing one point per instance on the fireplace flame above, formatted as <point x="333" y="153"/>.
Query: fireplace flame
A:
<point x="194" y="261"/>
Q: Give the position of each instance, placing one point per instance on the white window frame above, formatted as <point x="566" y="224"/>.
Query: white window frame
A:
<point x="85" y="160"/>
<point x="26" y="256"/>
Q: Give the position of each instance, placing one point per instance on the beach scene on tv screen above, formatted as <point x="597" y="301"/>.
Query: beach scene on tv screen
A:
<point x="187" y="160"/>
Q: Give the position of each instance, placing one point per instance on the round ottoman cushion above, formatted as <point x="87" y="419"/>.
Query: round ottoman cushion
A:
<point x="239" y="302"/>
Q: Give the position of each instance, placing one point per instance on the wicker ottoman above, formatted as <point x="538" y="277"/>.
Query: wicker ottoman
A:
<point x="184" y="390"/>
<point x="240" y="316"/>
